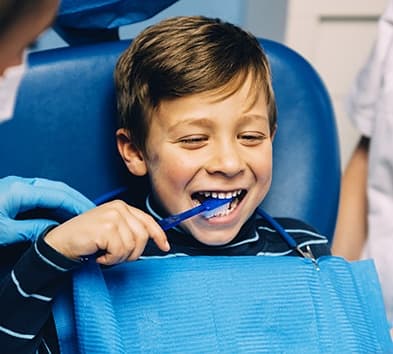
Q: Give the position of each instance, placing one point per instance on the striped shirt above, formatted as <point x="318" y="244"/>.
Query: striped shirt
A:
<point x="27" y="291"/>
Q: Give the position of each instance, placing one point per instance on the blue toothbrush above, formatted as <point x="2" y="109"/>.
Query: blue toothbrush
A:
<point x="209" y="207"/>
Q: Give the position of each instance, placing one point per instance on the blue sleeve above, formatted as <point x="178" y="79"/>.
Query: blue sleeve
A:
<point x="108" y="13"/>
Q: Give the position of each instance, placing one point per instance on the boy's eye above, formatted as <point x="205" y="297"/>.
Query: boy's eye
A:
<point x="193" y="141"/>
<point x="251" y="139"/>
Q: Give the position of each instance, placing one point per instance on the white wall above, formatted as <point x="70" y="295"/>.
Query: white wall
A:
<point x="266" y="18"/>
<point x="336" y="36"/>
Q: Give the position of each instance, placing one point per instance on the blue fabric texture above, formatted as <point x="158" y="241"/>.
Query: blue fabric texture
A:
<point x="225" y="304"/>
<point x="107" y="14"/>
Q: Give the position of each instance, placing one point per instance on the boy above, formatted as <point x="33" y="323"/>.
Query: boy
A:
<point x="198" y="116"/>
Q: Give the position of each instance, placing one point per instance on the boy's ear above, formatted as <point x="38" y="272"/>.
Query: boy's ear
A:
<point x="132" y="157"/>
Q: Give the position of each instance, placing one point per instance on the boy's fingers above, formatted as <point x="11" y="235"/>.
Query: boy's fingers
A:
<point x="153" y="229"/>
<point x="115" y="242"/>
<point x="138" y="249"/>
<point x="157" y="235"/>
<point x="134" y="228"/>
<point x="161" y="242"/>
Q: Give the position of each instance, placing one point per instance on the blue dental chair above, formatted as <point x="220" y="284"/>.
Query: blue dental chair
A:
<point x="64" y="129"/>
<point x="65" y="122"/>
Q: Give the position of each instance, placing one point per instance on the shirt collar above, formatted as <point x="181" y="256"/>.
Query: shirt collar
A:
<point x="177" y="235"/>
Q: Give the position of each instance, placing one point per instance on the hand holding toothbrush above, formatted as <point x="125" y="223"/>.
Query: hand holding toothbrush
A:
<point x="114" y="230"/>
<point x="119" y="232"/>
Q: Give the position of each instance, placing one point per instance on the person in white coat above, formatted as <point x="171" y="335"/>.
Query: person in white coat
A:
<point x="21" y="22"/>
<point x="365" y="221"/>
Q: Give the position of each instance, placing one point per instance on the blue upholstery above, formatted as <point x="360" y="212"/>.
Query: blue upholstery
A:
<point x="93" y="21"/>
<point x="65" y="123"/>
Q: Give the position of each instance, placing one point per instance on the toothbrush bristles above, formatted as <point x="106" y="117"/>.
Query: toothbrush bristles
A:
<point x="218" y="206"/>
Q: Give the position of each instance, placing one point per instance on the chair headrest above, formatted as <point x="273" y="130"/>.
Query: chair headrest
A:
<point x="65" y="122"/>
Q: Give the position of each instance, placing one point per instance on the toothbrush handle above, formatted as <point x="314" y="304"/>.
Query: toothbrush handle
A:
<point x="166" y="224"/>
<point x="174" y="220"/>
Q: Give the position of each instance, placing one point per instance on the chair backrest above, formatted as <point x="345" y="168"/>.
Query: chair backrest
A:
<point x="65" y="122"/>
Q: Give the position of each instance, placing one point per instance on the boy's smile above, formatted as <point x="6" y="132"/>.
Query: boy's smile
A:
<point x="226" y="209"/>
<point x="210" y="145"/>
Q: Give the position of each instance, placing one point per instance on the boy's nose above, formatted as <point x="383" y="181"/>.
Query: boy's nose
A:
<point x="226" y="159"/>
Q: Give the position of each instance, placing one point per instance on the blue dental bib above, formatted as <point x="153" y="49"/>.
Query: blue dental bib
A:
<point x="225" y="304"/>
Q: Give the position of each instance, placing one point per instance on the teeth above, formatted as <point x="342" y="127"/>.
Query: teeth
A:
<point x="221" y="195"/>
<point x="222" y="211"/>
<point x="225" y="209"/>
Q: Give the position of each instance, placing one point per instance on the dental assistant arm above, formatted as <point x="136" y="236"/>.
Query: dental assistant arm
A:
<point x="351" y="229"/>
<point x="19" y="195"/>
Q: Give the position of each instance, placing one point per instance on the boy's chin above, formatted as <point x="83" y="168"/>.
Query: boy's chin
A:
<point x="214" y="239"/>
<point x="213" y="235"/>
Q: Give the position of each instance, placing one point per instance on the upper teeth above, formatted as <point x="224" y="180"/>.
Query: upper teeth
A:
<point x="221" y="195"/>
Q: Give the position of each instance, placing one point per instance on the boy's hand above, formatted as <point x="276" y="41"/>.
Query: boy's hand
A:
<point x="116" y="228"/>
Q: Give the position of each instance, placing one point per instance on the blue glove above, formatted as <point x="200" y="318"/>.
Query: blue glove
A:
<point x="19" y="195"/>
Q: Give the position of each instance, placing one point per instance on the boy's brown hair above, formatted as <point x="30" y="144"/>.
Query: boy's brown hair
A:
<point x="181" y="56"/>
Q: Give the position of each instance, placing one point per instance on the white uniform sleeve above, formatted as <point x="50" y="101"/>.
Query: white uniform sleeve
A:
<point x="364" y="97"/>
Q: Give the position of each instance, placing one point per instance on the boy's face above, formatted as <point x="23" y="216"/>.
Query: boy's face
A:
<point x="204" y="144"/>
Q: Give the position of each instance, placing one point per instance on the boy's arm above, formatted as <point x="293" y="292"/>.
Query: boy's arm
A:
<point x="27" y="292"/>
<point x="351" y="229"/>
<point x="26" y="296"/>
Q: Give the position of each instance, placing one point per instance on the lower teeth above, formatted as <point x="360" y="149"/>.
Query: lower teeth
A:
<point x="232" y="205"/>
